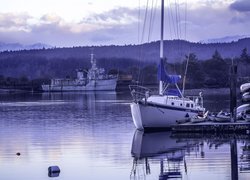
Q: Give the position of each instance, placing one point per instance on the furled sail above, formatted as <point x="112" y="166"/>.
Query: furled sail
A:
<point x="163" y="76"/>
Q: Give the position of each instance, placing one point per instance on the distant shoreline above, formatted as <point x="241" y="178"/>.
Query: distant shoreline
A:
<point x="188" y="92"/>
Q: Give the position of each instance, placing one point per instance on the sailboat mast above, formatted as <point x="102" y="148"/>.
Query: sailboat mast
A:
<point x="161" y="43"/>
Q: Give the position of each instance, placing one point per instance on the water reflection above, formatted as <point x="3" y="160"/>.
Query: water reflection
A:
<point x="88" y="135"/>
<point x="190" y="156"/>
<point x="79" y="132"/>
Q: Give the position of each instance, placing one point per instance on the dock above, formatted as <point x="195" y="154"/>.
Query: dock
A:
<point x="213" y="127"/>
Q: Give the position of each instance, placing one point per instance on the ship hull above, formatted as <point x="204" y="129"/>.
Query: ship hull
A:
<point x="153" y="116"/>
<point x="93" y="85"/>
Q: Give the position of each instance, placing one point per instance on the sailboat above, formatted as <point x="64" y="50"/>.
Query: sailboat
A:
<point x="165" y="109"/>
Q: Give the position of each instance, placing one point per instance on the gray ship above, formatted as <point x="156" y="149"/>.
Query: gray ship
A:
<point x="95" y="79"/>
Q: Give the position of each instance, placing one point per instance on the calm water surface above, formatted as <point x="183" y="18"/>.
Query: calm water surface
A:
<point x="91" y="136"/>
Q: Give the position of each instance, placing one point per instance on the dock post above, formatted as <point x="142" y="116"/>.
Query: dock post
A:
<point x="234" y="159"/>
<point x="233" y="98"/>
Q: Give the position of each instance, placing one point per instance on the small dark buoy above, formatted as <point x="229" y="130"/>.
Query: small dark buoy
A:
<point x="53" y="171"/>
<point x="18" y="153"/>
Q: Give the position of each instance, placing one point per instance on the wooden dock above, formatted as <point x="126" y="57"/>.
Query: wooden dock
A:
<point x="213" y="127"/>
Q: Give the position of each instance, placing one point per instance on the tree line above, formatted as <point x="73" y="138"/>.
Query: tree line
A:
<point x="30" y="70"/>
<point x="212" y="73"/>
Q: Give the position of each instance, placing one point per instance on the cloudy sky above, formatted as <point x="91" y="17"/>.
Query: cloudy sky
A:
<point x="104" y="22"/>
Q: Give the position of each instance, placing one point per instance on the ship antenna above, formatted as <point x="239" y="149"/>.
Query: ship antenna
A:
<point x="92" y="60"/>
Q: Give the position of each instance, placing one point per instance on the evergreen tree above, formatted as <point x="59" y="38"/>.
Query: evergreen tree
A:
<point x="217" y="71"/>
<point x="216" y="55"/>
<point x="244" y="57"/>
<point x="244" y="63"/>
<point x="195" y="75"/>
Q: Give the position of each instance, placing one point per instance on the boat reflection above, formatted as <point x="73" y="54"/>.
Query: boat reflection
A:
<point x="77" y="96"/>
<point x="170" y="152"/>
<point x="161" y="147"/>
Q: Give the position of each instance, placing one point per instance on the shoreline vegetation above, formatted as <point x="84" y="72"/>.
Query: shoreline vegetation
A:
<point x="211" y="73"/>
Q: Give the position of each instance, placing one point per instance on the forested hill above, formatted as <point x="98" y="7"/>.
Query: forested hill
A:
<point x="174" y="51"/>
<point x="209" y="64"/>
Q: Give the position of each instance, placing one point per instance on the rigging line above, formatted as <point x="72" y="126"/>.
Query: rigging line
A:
<point x="189" y="50"/>
<point x="151" y="21"/>
<point x="180" y="28"/>
<point x="185" y="75"/>
<point x="172" y="16"/>
<point x="144" y="22"/>
<point x="176" y="19"/>
<point x="142" y="37"/>
<point x="169" y="21"/>
<point x="139" y="17"/>
<point x="185" y="30"/>
<point x="179" y="18"/>
<point x="139" y="49"/>
<point x="185" y="33"/>
<point x="153" y="17"/>
<point x="175" y="24"/>
<point x="140" y="46"/>
<point x="155" y="9"/>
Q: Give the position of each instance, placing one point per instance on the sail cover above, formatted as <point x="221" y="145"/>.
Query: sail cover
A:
<point x="163" y="76"/>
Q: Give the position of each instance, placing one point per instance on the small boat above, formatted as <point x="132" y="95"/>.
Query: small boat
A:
<point x="223" y="117"/>
<point x="211" y="116"/>
<point x="246" y="115"/>
<point x="246" y="97"/>
<point x="241" y="110"/>
<point x="200" y="118"/>
<point x="184" y="120"/>
<point x="245" y="87"/>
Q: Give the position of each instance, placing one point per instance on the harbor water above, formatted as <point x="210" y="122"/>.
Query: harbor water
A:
<point x="92" y="136"/>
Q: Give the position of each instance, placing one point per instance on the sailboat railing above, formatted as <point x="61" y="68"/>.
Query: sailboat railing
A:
<point x="197" y="99"/>
<point x="139" y="92"/>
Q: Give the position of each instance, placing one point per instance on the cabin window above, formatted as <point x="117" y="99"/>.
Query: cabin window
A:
<point x="172" y="103"/>
<point x="181" y="104"/>
<point x="192" y="105"/>
<point x="187" y="105"/>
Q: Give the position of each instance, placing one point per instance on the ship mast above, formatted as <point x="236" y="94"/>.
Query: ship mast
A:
<point x="161" y="44"/>
<point x="93" y="61"/>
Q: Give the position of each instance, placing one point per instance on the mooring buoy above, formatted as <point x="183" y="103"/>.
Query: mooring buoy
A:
<point x="53" y="171"/>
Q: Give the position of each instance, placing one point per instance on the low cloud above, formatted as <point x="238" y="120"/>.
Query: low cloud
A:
<point x="14" y="21"/>
<point x="115" y="17"/>
<point x="120" y="26"/>
<point x="53" y="29"/>
<point x="241" y="6"/>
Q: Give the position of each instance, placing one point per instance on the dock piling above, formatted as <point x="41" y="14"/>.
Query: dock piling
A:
<point x="233" y="98"/>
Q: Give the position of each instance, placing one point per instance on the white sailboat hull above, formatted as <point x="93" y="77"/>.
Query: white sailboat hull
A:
<point x="149" y="116"/>
<point x="93" y="85"/>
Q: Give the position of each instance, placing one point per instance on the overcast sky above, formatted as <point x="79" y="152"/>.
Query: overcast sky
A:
<point x="105" y="22"/>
